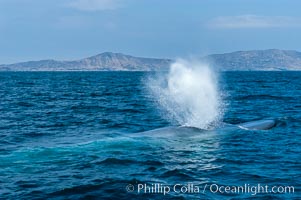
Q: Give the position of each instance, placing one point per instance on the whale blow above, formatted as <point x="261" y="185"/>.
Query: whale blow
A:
<point x="189" y="94"/>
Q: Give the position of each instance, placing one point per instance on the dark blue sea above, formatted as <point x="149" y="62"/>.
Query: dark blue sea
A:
<point x="86" y="135"/>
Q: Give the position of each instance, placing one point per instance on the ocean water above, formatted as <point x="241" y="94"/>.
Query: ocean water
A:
<point x="85" y="135"/>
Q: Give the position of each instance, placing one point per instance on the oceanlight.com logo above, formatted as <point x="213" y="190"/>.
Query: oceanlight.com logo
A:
<point x="189" y="188"/>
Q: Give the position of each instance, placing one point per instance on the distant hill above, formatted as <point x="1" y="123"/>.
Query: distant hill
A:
<point x="259" y="60"/>
<point x="102" y="62"/>
<point x="268" y="60"/>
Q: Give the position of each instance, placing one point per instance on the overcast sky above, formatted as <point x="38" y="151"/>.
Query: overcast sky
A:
<point x="71" y="29"/>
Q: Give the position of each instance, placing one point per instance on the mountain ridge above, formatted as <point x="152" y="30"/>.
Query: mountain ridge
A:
<point x="259" y="60"/>
<point x="268" y="60"/>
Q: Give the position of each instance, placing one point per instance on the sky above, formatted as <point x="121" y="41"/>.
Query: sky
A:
<point x="74" y="29"/>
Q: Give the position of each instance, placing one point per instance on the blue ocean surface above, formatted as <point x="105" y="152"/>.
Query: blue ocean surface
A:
<point x="86" y="135"/>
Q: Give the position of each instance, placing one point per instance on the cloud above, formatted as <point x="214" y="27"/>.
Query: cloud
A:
<point x="254" y="21"/>
<point x="94" y="5"/>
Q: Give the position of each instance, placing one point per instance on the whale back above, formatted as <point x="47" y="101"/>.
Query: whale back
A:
<point x="258" y="125"/>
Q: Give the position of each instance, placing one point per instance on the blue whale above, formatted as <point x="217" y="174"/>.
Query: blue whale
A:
<point x="171" y="131"/>
<point x="263" y="124"/>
